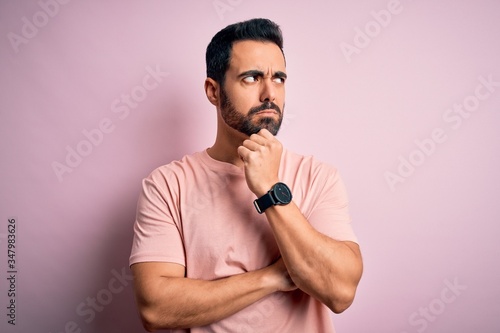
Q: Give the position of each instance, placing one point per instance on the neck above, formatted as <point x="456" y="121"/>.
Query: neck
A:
<point x="225" y="148"/>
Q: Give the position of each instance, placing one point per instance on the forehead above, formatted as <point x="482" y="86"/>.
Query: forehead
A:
<point x="250" y="54"/>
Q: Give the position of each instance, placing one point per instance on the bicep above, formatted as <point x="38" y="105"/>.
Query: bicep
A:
<point x="355" y="262"/>
<point x="149" y="277"/>
<point x="354" y="247"/>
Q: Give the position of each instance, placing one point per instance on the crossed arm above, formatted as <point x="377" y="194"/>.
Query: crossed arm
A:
<point x="324" y="268"/>
<point x="166" y="299"/>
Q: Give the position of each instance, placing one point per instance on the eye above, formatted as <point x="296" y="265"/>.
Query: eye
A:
<point x="250" y="79"/>
<point x="279" y="80"/>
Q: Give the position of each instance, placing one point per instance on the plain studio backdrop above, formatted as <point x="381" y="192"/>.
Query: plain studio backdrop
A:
<point x="403" y="97"/>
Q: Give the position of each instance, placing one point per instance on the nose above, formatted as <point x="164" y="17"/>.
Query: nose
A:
<point x="268" y="92"/>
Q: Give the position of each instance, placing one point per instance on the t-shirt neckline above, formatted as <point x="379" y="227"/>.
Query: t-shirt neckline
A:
<point x="217" y="165"/>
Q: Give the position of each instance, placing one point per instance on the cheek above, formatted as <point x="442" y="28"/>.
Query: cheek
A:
<point x="243" y="104"/>
<point x="282" y="95"/>
<point x="246" y="98"/>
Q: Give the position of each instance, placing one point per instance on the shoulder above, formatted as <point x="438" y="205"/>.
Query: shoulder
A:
<point x="308" y="165"/>
<point x="175" y="171"/>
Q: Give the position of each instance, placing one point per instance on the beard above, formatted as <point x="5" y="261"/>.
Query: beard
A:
<point x="248" y="124"/>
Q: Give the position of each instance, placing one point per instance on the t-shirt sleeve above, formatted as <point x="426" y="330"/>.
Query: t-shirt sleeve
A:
<point x="157" y="236"/>
<point x="330" y="214"/>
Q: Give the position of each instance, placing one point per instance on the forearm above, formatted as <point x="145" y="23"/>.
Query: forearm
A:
<point x="326" y="269"/>
<point x="177" y="302"/>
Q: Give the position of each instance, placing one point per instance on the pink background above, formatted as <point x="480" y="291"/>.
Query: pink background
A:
<point x="430" y="242"/>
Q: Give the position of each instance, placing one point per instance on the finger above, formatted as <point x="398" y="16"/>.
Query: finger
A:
<point x="266" y="134"/>
<point x="258" y="138"/>
<point x="252" y="145"/>
<point x="266" y="137"/>
<point x="243" y="152"/>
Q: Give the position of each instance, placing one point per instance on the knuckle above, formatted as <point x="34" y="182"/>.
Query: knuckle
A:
<point x="275" y="144"/>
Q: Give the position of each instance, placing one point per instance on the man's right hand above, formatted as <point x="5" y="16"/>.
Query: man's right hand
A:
<point x="280" y="273"/>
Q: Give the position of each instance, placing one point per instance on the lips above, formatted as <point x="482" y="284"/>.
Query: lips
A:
<point x="267" y="112"/>
<point x="268" y="108"/>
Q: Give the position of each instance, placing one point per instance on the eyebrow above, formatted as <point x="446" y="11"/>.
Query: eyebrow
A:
<point x="255" y="72"/>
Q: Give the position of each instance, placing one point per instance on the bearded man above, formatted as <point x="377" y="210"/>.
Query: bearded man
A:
<point x="244" y="236"/>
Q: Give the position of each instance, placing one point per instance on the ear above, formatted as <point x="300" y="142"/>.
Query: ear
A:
<point x="212" y="91"/>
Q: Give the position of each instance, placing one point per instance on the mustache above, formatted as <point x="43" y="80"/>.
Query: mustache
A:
<point x="265" y="106"/>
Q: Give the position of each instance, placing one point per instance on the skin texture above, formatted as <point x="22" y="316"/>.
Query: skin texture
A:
<point x="326" y="269"/>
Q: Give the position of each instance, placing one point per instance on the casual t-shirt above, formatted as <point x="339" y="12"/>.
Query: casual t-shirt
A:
<point x="198" y="212"/>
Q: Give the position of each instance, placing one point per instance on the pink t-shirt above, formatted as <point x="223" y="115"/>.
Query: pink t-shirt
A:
<point x="198" y="212"/>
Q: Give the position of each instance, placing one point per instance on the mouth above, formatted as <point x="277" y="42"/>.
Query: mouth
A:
<point x="266" y="109"/>
<point x="267" y="112"/>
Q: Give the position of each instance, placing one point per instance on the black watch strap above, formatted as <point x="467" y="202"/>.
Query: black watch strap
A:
<point x="264" y="202"/>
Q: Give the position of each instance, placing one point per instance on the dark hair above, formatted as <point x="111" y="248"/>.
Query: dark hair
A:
<point x="219" y="50"/>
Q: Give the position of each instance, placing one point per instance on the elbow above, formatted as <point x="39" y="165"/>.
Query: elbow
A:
<point x="337" y="299"/>
<point x="154" y="320"/>
<point x="343" y="296"/>
<point x="148" y="327"/>
<point x="339" y="307"/>
<point x="342" y="301"/>
<point x="148" y="320"/>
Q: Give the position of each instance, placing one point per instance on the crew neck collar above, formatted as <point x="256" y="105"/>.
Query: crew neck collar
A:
<point x="217" y="165"/>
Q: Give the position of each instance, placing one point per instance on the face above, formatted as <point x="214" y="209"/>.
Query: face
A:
<point x="253" y="94"/>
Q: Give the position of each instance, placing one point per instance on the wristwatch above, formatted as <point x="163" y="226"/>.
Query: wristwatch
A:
<point x="279" y="194"/>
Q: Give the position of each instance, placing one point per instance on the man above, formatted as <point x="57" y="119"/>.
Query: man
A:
<point x="245" y="236"/>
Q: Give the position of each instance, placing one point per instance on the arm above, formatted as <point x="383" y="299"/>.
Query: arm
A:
<point x="166" y="299"/>
<point x="326" y="269"/>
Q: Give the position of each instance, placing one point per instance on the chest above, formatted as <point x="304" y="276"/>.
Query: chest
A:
<point x="222" y="232"/>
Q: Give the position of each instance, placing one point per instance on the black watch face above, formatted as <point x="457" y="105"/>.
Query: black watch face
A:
<point x="282" y="193"/>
